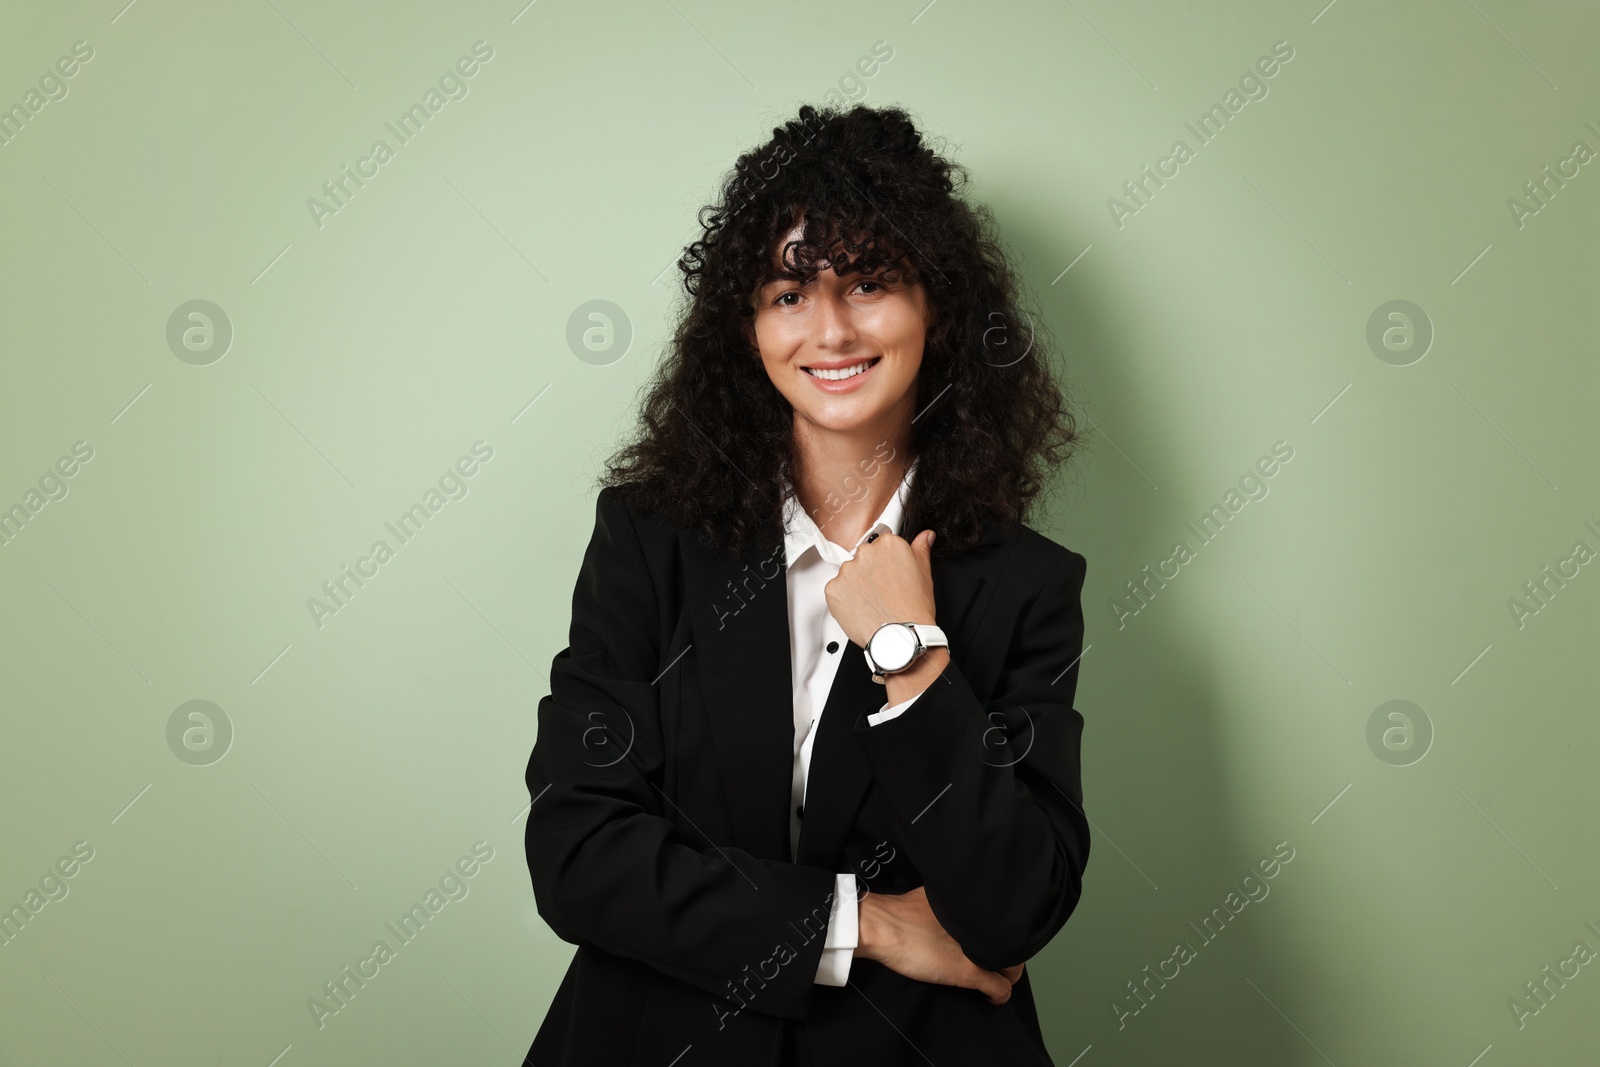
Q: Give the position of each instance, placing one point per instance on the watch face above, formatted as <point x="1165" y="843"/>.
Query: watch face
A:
<point x="893" y="646"/>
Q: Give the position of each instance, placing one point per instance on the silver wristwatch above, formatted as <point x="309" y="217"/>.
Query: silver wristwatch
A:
<point x="894" y="646"/>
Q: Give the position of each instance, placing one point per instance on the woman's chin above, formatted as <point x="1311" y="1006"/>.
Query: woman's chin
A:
<point x="842" y="416"/>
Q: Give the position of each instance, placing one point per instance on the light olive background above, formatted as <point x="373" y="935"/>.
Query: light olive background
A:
<point x="432" y="311"/>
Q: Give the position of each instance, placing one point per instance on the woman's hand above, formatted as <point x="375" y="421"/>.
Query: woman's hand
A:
<point x="889" y="579"/>
<point x="900" y="932"/>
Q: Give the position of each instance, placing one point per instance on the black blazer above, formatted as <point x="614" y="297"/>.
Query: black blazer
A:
<point x="658" y="839"/>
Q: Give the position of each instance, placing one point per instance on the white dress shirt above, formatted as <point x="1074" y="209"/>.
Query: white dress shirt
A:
<point x="816" y="642"/>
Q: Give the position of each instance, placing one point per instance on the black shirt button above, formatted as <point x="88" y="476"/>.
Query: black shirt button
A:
<point x="833" y="646"/>
<point x="801" y="811"/>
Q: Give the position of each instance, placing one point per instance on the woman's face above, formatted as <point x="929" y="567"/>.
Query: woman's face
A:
<point x="869" y="329"/>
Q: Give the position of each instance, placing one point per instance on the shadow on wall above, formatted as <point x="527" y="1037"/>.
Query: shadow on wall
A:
<point x="1160" y="956"/>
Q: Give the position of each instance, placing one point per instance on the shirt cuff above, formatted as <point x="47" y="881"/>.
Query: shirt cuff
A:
<point x="838" y="947"/>
<point x="885" y="713"/>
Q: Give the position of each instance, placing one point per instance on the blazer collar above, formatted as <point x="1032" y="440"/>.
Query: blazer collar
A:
<point x="738" y="608"/>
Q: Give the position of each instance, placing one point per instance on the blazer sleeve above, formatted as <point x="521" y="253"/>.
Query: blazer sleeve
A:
<point x="610" y="869"/>
<point x="988" y="794"/>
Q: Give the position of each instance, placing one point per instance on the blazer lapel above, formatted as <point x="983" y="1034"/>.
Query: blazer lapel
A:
<point x="839" y="774"/>
<point x="739" y="615"/>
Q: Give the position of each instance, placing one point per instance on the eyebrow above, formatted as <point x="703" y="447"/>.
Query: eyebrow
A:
<point x="810" y="279"/>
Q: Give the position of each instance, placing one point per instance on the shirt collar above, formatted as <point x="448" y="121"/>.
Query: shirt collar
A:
<point x="800" y="531"/>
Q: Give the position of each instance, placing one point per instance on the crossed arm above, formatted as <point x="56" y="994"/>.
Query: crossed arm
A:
<point x="1000" y="839"/>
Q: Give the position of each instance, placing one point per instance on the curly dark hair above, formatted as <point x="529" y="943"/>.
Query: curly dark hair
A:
<point x="715" y="444"/>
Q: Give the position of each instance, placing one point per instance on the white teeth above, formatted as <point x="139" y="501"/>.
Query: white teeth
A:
<point x="842" y="373"/>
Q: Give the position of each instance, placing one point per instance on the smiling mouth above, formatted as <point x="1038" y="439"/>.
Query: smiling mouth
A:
<point x="842" y="373"/>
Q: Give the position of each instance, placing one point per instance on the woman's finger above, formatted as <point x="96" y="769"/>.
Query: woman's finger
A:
<point x="996" y="987"/>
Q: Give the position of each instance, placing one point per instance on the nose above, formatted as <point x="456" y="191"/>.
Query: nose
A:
<point x="835" y="326"/>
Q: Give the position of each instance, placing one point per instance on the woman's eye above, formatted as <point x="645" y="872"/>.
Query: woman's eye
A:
<point x="781" y="300"/>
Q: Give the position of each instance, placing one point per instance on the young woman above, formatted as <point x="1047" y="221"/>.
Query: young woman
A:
<point x="806" y="788"/>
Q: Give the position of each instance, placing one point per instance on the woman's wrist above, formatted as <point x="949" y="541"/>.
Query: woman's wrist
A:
<point x="911" y="682"/>
<point x="869" y="927"/>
